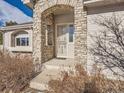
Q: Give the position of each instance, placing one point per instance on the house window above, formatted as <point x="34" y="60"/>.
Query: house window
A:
<point x="49" y="35"/>
<point x="71" y="33"/>
<point x="22" y="41"/>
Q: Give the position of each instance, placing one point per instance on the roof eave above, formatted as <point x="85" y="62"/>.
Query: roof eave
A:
<point x="15" y="27"/>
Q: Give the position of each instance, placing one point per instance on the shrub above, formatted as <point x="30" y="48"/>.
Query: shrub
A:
<point x="15" y="72"/>
<point x="81" y="82"/>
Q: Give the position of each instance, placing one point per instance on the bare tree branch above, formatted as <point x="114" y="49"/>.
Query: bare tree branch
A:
<point x="109" y="45"/>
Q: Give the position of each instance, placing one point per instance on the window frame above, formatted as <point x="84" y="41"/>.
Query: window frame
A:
<point x="49" y="30"/>
<point x="20" y="37"/>
<point x="71" y="34"/>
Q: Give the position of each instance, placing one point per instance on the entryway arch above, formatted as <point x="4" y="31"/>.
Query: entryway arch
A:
<point x="47" y="4"/>
<point x="44" y="9"/>
<point x="58" y="32"/>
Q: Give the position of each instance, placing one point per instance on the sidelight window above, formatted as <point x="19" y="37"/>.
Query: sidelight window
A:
<point x="71" y="33"/>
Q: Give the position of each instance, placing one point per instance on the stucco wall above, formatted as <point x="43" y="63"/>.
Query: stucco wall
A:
<point x="93" y="29"/>
<point x="64" y="18"/>
<point x="8" y="41"/>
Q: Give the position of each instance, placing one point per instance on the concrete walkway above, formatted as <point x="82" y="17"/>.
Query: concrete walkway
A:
<point x="51" y="70"/>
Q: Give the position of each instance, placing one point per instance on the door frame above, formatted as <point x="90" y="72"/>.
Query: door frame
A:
<point x="56" y="25"/>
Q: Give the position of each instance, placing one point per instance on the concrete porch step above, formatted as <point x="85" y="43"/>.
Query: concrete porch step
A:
<point x="60" y="64"/>
<point x="51" y="70"/>
<point x="41" y="81"/>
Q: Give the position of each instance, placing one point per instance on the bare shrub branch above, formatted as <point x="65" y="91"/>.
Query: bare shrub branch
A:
<point x="15" y="72"/>
<point x="81" y="82"/>
<point x="109" y="45"/>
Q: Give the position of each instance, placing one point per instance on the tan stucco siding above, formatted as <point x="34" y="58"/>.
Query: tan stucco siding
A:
<point x="93" y="29"/>
<point x="8" y="40"/>
<point x="65" y="18"/>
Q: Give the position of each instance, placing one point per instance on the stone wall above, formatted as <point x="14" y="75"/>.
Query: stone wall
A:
<point x="41" y="53"/>
<point x="47" y="50"/>
<point x="80" y="50"/>
<point x="37" y="36"/>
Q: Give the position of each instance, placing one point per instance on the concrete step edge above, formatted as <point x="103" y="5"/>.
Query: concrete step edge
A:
<point x="38" y="86"/>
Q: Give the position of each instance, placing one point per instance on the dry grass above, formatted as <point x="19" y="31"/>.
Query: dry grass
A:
<point x="15" y="72"/>
<point x="83" y="83"/>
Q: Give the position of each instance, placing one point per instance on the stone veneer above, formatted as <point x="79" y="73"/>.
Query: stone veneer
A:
<point x="42" y="53"/>
<point x="80" y="51"/>
<point x="47" y="50"/>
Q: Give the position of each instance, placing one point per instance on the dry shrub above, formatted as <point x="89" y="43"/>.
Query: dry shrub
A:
<point x="15" y="72"/>
<point x="81" y="82"/>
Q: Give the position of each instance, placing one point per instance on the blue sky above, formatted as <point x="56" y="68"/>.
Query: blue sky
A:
<point x="18" y="3"/>
<point x="14" y="10"/>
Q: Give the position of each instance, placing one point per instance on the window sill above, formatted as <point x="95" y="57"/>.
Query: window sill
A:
<point x="21" y="49"/>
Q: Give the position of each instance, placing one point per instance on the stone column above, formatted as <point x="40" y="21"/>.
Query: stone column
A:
<point x="37" y="37"/>
<point x="80" y="50"/>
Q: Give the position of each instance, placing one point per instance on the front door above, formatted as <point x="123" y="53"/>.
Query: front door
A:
<point x="62" y="41"/>
<point x="65" y="41"/>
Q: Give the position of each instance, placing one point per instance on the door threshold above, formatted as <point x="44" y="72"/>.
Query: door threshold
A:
<point x="61" y="58"/>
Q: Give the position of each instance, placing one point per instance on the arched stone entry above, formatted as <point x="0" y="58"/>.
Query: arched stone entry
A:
<point x="44" y="12"/>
